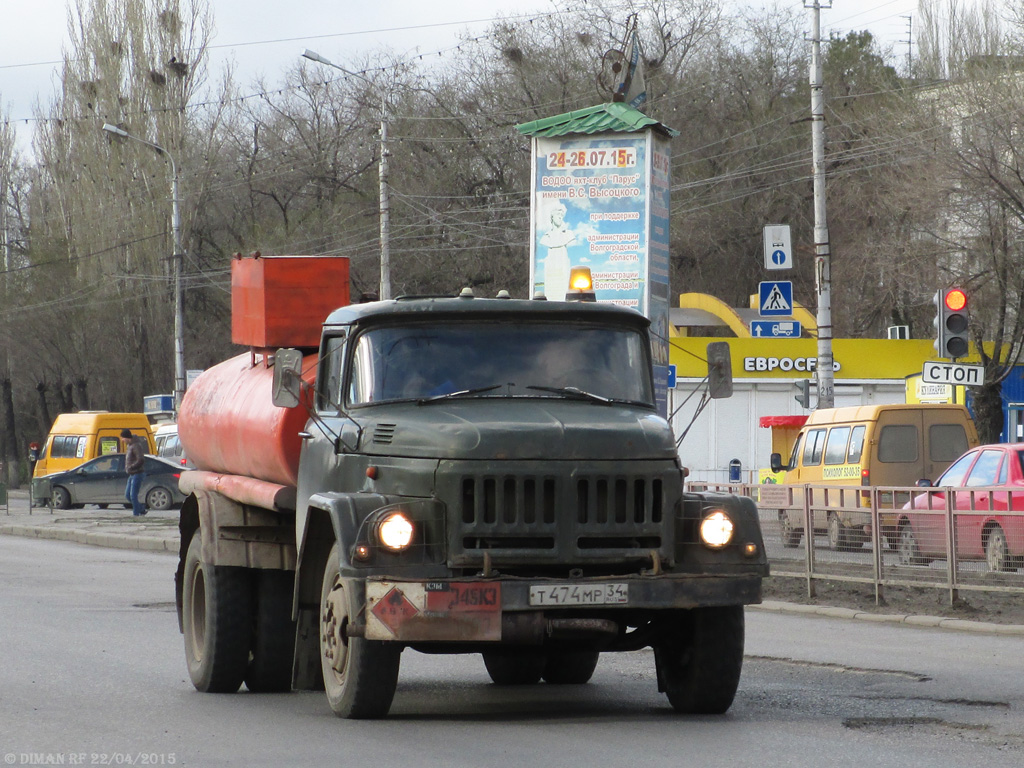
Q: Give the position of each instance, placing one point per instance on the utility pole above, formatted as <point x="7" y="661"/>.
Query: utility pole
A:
<point x="910" y="46"/>
<point x="385" y="204"/>
<point x="176" y="262"/>
<point x="822" y="271"/>
<point x="385" y="198"/>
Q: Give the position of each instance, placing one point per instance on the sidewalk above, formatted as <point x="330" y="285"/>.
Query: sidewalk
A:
<point x="158" y="531"/>
<point x="114" y="527"/>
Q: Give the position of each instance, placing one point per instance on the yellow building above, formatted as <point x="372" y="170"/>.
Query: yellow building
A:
<point x="765" y="372"/>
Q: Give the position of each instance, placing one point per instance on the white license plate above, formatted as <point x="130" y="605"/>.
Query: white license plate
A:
<point x="579" y="594"/>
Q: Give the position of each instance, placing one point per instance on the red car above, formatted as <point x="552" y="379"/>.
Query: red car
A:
<point x="987" y="479"/>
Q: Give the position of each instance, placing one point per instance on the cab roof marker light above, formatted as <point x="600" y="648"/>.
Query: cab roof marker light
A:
<point x="581" y="285"/>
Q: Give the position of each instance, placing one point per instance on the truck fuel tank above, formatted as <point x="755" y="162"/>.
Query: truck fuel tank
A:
<point x="228" y="424"/>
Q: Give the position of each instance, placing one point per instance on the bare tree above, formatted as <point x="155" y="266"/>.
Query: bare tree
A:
<point x="134" y="64"/>
<point x="982" y="226"/>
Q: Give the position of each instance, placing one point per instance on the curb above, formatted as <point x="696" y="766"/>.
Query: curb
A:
<point x="963" y="625"/>
<point x="92" y="538"/>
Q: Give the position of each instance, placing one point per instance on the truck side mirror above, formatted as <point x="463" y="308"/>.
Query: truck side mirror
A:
<point x="776" y="462"/>
<point x="287" y="387"/>
<point x="924" y="482"/>
<point x="719" y="370"/>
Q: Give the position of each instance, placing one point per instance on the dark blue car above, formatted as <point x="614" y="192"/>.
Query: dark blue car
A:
<point x="102" y="482"/>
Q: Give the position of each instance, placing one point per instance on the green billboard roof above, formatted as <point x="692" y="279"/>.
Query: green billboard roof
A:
<point x="603" y="118"/>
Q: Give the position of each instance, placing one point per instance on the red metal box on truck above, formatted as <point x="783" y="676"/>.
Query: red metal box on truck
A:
<point x="281" y="301"/>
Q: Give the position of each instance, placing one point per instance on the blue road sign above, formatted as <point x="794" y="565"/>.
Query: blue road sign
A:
<point x="776" y="298"/>
<point x="775" y="329"/>
<point x="778" y="253"/>
<point x="671" y="376"/>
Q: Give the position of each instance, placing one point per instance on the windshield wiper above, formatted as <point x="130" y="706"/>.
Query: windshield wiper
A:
<point x="452" y="395"/>
<point x="575" y="392"/>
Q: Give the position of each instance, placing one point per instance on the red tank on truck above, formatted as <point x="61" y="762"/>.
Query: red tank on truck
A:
<point x="447" y="475"/>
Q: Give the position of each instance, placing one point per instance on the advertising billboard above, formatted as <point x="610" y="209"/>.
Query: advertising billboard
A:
<point x="602" y="201"/>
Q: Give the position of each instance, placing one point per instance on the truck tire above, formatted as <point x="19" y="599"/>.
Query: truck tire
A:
<point x="570" y="667"/>
<point x="515" y="667"/>
<point x="273" y="643"/>
<point x="216" y="621"/>
<point x="360" y="675"/>
<point x="699" y="658"/>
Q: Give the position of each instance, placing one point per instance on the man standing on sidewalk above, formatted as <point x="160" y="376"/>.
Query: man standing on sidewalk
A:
<point x="134" y="465"/>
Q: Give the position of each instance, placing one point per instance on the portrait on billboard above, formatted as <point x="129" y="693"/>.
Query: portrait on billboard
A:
<point x="556" y="261"/>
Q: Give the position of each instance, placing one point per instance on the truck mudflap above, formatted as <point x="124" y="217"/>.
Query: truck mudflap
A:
<point x="524" y="610"/>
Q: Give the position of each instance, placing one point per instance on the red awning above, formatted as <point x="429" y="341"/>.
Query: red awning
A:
<point x="782" y="421"/>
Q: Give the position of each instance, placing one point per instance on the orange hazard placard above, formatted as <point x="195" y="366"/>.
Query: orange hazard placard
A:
<point x="394" y="609"/>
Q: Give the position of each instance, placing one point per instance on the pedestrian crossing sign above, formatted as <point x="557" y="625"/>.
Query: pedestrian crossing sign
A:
<point x="776" y="298"/>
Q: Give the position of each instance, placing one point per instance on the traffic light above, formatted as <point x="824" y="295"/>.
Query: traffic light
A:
<point x="951" y="321"/>
<point x="719" y="370"/>
<point x="803" y="387"/>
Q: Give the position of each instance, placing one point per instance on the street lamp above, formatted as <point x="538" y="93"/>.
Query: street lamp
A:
<point x="385" y="204"/>
<point x="176" y="261"/>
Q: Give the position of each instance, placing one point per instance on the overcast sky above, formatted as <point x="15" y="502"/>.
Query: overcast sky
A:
<point x="264" y="37"/>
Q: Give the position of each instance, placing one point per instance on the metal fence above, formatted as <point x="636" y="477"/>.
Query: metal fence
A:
<point x="952" y="540"/>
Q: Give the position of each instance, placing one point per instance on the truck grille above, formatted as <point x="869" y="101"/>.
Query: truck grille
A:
<point x="572" y="515"/>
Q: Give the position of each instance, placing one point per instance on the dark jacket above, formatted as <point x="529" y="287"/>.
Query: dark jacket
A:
<point x="134" y="456"/>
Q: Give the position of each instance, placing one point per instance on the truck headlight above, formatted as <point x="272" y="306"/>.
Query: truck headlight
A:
<point x="716" y="529"/>
<point x="395" y="532"/>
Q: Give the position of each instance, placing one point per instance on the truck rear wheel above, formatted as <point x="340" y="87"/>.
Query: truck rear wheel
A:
<point x="360" y="675"/>
<point x="570" y="667"/>
<point x="216" y="621"/>
<point x="273" y="644"/>
<point x="699" y="658"/>
<point x="515" y="667"/>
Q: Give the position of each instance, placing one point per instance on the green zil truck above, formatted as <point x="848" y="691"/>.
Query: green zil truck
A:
<point x="454" y="475"/>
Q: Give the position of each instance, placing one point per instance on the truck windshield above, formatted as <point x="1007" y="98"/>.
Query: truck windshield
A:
<point x="500" y="360"/>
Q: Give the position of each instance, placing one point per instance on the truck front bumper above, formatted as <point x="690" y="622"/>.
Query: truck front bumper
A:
<point x="516" y="610"/>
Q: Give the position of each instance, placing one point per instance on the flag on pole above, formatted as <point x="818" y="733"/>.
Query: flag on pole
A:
<point x="631" y="88"/>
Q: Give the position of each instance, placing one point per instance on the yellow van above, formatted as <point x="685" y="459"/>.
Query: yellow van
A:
<point x="75" y="438"/>
<point x="880" y="445"/>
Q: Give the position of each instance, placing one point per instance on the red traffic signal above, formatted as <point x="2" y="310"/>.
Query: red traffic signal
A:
<point x="951" y="323"/>
<point x="955" y="299"/>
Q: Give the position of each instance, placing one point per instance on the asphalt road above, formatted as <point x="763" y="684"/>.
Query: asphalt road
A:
<point x="94" y="673"/>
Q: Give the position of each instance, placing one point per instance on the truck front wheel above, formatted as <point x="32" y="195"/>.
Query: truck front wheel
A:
<point x="216" y="621"/>
<point x="360" y="675"/>
<point x="699" y="657"/>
